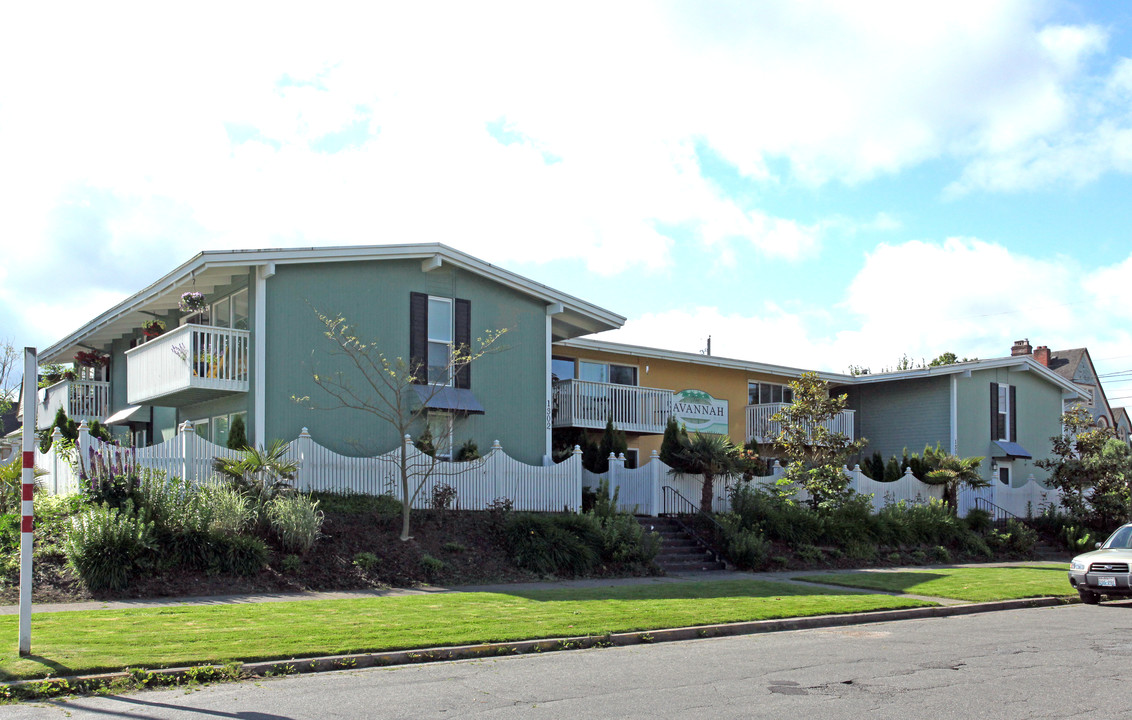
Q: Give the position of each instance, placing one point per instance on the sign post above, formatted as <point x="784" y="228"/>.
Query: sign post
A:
<point x="28" y="487"/>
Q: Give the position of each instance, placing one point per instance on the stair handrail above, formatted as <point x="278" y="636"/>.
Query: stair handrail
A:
<point x="997" y="512"/>
<point x="690" y="508"/>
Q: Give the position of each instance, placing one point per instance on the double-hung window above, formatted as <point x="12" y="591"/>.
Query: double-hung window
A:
<point x="1003" y="412"/>
<point x="766" y="393"/>
<point x="439" y="341"/>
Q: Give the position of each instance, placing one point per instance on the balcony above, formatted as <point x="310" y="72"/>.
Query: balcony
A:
<point x="80" y="399"/>
<point x="762" y="430"/>
<point x="586" y="404"/>
<point x="188" y="365"/>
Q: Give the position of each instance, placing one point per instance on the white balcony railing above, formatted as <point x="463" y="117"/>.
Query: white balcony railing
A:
<point x="762" y="430"/>
<point x="189" y="364"/>
<point x="586" y="404"/>
<point x="80" y="400"/>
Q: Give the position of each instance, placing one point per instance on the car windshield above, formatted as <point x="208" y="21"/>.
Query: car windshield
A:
<point x="1121" y="539"/>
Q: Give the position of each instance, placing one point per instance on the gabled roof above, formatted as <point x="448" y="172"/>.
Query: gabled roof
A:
<point x="1066" y="362"/>
<point x="1025" y="362"/>
<point x="695" y="358"/>
<point x="570" y="316"/>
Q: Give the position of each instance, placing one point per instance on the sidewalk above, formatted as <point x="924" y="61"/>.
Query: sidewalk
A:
<point x="713" y="576"/>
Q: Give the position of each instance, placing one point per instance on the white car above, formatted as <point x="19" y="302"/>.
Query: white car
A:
<point x="1104" y="571"/>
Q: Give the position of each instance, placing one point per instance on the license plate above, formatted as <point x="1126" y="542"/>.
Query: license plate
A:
<point x="1106" y="582"/>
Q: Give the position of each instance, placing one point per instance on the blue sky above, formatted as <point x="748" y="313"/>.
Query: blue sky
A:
<point x="815" y="184"/>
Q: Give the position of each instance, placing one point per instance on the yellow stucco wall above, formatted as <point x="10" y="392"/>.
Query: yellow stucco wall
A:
<point x="728" y="384"/>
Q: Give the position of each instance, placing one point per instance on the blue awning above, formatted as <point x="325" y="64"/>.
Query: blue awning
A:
<point x="449" y="398"/>
<point x="1012" y="449"/>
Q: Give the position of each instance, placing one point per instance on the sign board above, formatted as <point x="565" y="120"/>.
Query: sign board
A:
<point x="699" y="412"/>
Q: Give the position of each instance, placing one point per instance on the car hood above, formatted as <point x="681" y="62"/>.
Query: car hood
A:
<point x="1123" y="555"/>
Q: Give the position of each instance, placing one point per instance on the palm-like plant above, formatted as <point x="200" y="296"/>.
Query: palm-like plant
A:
<point x="260" y="475"/>
<point x="953" y="472"/>
<point x="711" y="456"/>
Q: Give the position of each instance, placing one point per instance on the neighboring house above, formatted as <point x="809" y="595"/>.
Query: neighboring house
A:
<point x="258" y="343"/>
<point x="641" y="387"/>
<point x="1123" y="424"/>
<point x="1077" y="367"/>
<point x="1004" y="410"/>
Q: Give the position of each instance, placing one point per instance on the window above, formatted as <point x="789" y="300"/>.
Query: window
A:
<point x="632" y="455"/>
<point x="561" y="368"/>
<point x="231" y="311"/>
<point x="765" y="393"/>
<point x="607" y="373"/>
<point x="440" y="426"/>
<point x="217" y="429"/>
<point x="1004" y="474"/>
<point x="1003" y="412"/>
<point x="436" y="326"/>
<point x="439" y="340"/>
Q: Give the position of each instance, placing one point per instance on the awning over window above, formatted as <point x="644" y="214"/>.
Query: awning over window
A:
<point x="449" y="398"/>
<point x="134" y="413"/>
<point x="1012" y="449"/>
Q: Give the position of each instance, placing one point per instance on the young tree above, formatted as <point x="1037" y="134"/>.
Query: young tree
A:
<point x="385" y="388"/>
<point x="1078" y="464"/>
<point x="10" y="380"/>
<point x="675" y="439"/>
<point x="712" y="456"/>
<point x="953" y="473"/>
<point x="612" y="441"/>
<point x="816" y="453"/>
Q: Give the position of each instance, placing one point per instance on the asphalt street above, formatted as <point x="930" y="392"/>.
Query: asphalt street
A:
<point x="1060" y="662"/>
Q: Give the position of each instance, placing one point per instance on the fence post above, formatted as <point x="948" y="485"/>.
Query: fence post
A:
<point x="56" y="438"/>
<point x="491" y="468"/>
<point x="302" y="455"/>
<point x="83" y="443"/>
<point x="776" y="470"/>
<point x="576" y="459"/>
<point x="185" y="433"/>
<point x="655" y="473"/>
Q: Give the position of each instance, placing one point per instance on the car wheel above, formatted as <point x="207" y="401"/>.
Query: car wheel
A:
<point x="1088" y="597"/>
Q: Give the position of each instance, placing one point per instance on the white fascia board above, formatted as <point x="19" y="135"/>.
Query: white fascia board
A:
<point x="288" y="256"/>
<point x="694" y="358"/>
<point x="1026" y="363"/>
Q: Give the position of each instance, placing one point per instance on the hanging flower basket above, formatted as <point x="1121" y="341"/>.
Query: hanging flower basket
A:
<point x="91" y="359"/>
<point x="153" y="328"/>
<point x="192" y="302"/>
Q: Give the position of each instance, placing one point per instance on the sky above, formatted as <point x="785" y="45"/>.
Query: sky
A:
<point x="813" y="184"/>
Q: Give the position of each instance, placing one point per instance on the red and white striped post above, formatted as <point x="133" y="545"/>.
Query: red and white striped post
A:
<point x="30" y="403"/>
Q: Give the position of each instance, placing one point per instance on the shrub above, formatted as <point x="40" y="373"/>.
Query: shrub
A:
<point x="431" y="566"/>
<point x="940" y="554"/>
<point x="106" y="545"/>
<point x="973" y="544"/>
<point x="918" y="556"/>
<point x="454" y="547"/>
<point x="894" y="558"/>
<point x="366" y="561"/>
<point x="776" y="518"/>
<point x="228" y="510"/>
<point x="978" y="520"/>
<point x="1077" y="540"/>
<point x="468" y="451"/>
<point x="861" y="551"/>
<point x="851" y="520"/>
<point x="295" y="521"/>
<point x="291" y="564"/>
<point x="238" y="554"/>
<point x="542" y="545"/>
<point x="809" y="554"/>
<point x="443" y="495"/>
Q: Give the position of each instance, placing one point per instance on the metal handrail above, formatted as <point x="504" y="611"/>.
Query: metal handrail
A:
<point x="673" y="499"/>
<point x="996" y="512"/>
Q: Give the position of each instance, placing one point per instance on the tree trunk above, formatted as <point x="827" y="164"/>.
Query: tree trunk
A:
<point x="405" y="500"/>
<point x="706" y="493"/>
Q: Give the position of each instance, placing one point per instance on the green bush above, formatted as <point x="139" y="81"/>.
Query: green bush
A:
<point x="918" y="557"/>
<point x="1077" y="540"/>
<point x="809" y="554"/>
<point x="454" y="547"/>
<point x="295" y="521"/>
<point x="978" y="520"/>
<point x="106" y="546"/>
<point x="545" y="545"/>
<point x="940" y="554"/>
<point x="975" y="545"/>
<point x="776" y="518"/>
<point x="851" y="521"/>
<point x="861" y="551"/>
<point x="431" y="566"/>
<point x="228" y="510"/>
<point x="366" y="561"/>
<point x="894" y="558"/>
<point x="238" y="554"/>
<point x="291" y="564"/>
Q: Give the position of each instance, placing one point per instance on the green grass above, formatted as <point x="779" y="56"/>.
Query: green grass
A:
<point x="68" y="643"/>
<point x="975" y="584"/>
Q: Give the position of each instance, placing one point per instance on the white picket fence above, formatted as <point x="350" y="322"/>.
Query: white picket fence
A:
<point x="648" y="490"/>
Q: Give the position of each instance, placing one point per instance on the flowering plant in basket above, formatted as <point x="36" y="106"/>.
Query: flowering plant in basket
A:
<point x="192" y="301"/>
<point x="153" y="328"/>
<point x="91" y="359"/>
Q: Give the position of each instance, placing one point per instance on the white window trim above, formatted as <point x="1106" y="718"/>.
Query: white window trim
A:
<point x="1004" y="409"/>
<point x="429" y="340"/>
<point x="442" y="441"/>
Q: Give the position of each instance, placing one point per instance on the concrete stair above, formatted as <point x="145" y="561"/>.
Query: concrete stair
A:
<point x="679" y="553"/>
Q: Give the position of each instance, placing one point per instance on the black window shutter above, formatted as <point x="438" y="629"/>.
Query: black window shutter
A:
<point x="463" y="340"/>
<point x="1013" y="414"/>
<point x="418" y="337"/>
<point x="994" y="411"/>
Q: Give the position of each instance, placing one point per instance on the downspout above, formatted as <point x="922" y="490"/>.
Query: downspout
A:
<point x="259" y="342"/>
<point x="551" y="310"/>
<point x="954" y="414"/>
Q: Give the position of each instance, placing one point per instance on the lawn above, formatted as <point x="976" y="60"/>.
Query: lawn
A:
<point x="68" y="643"/>
<point x="975" y="584"/>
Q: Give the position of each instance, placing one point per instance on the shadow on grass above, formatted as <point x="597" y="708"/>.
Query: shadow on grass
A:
<point x="50" y="667"/>
<point x="899" y="582"/>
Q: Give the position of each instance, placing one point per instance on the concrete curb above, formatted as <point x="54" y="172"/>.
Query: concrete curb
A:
<point x="487" y="650"/>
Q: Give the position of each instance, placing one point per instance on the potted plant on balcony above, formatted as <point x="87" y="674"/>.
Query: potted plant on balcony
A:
<point x="153" y="328"/>
<point x="192" y="302"/>
<point x="92" y="359"/>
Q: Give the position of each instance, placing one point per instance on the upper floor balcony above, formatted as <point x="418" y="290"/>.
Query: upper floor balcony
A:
<point x="80" y="399"/>
<point x="587" y="404"/>
<point x="188" y="365"/>
<point x="761" y="430"/>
